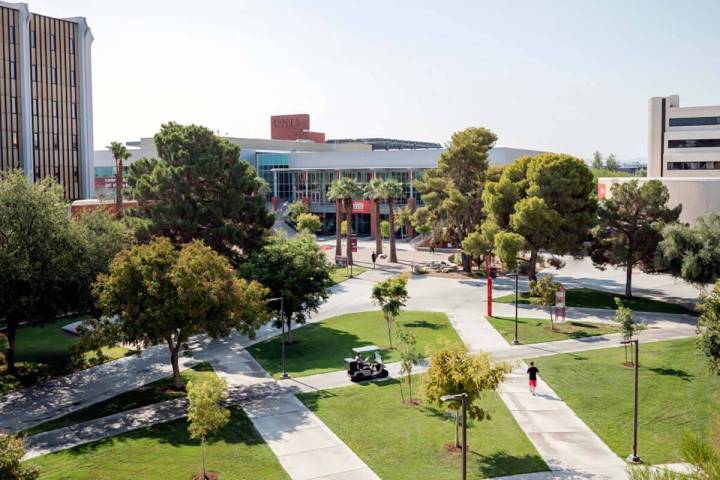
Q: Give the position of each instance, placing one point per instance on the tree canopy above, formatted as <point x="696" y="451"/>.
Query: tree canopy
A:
<point x="709" y="326"/>
<point x="205" y="415"/>
<point x="199" y="188"/>
<point x="391" y="295"/>
<point x="691" y="252"/>
<point x="308" y="223"/>
<point x="11" y="454"/>
<point x="161" y="294"/>
<point x="629" y="226"/>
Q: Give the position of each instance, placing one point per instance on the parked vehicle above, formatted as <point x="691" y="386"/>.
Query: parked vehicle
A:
<point x="368" y="367"/>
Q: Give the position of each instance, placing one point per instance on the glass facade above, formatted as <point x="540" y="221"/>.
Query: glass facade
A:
<point x="693" y="165"/>
<point x="265" y="163"/>
<point x="694" y="121"/>
<point x="695" y="143"/>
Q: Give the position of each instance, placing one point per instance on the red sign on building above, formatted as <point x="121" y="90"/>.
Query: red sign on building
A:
<point x="293" y="127"/>
<point x="361" y="206"/>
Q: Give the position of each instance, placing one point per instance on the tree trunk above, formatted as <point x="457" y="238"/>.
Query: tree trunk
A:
<point x="378" y="233"/>
<point x="202" y="447"/>
<point x="389" y="332"/>
<point x="466" y="262"/>
<point x="10" y="352"/>
<point x="348" y="216"/>
<point x="391" y="221"/>
<point x="410" y="386"/>
<point x="118" y="188"/>
<point x="628" y="278"/>
<point x="402" y="395"/>
<point x="174" y="360"/>
<point x="532" y="265"/>
<point x="338" y="229"/>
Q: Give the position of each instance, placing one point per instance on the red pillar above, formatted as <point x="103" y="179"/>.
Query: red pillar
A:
<point x="275" y="203"/>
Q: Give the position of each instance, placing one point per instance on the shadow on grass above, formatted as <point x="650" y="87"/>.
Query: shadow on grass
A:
<point x="422" y="324"/>
<point x="672" y="372"/>
<point x="499" y="463"/>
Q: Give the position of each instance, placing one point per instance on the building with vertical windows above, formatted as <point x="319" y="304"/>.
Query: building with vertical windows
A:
<point x="46" y="121"/>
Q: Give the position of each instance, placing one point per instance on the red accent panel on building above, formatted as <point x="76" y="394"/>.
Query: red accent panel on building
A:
<point x="361" y="206"/>
<point x="601" y="191"/>
<point x="293" y="127"/>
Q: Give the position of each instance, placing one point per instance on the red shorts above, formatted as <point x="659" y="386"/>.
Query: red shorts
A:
<point x="533" y="383"/>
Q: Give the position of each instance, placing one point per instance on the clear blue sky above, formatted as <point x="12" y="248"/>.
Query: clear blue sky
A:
<point x="560" y="75"/>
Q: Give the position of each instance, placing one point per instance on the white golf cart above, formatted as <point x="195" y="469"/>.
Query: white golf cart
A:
<point x="370" y="366"/>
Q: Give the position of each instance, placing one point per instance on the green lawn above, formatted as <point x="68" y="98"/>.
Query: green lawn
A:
<point x="321" y="347"/>
<point x="408" y="443"/>
<point x="166" y="452"/>
<point x="155" y="392"/>
<point x="340" y="274"/>
<point x="44" y="352"/>
<point x="589" y="298"/>
<point x="676" y="394"/>
<point x="537" y="330"/>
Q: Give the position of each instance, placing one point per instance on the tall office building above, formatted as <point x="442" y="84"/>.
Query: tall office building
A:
<point x="46" y="121"/>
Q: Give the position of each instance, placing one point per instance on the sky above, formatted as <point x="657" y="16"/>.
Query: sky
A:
<point x="569" y="76"/>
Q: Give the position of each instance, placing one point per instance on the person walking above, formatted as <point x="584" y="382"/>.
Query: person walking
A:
<point x="532" y="377"/>
<point x="373" y="257"/>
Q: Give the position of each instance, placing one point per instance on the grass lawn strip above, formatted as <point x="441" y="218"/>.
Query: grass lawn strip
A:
<point x="537" y="330"/>
<point x="408" y="443"/>
<point x="341" y="274"/>
<point x="149" y="394"/>
<point x="677" y="393"/>
<point x="165" y="451"/>
<point x="44" y="352"/>
<point x="321" y="347"/>
<point x="589" y="298"/>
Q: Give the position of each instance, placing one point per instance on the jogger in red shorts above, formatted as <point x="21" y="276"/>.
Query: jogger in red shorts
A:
<point x="532" y="375"/>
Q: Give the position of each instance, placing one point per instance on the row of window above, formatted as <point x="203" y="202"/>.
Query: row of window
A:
<point x="34" y="74"/>
<point x="36" y="141"/>
<point x="694" y="143"/>
<point x="53" y="41"/>
<point x="693" y="166"/>
<point x="36" y="109"/>
<point x="694" y="121"/>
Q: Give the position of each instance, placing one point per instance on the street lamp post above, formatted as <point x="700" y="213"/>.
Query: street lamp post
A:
<point x="463" y="398"/>
<point x="284" y="373"/>
<point x="634" y="457"/>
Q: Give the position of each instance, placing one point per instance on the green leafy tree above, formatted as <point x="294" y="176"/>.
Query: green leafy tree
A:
<point x="346" y="189"/>
<point x="549" y="199"/>
<point x="543" y="293"/>
<point x="308" y="223"/>
<point x="120" y="154"/>
<point x="385" y="229"/>
<point x="611" y="163"/>
<point x="205" y="414"/>
<point x="508" y="246"/>
<point x="391" y="189"/>
<point x="409" y="356"/>
<point x="11" y="453"/>
<point x="691" y="252"/>
<point x="709" y="326"/>
<point x="476" y="245"/>
<point x="160" y="294"/>
<point x="452" y="193"/>
<point x="628" y="327"/>
<point x="343" y="228"/>
<point x="597" y="161"/>
<point x="391" y="295"/>
<point x="454" y="370"/>
<point x="295" y="209"/>
<point x="294" y="269"/>
<point x="629" y="227"/>
<point x="373" y="191"/>
<point x="199" y="189"/>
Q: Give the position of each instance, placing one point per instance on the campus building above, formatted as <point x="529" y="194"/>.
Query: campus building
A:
<point x="683" y="153"/>
<point x="46" y="98"/>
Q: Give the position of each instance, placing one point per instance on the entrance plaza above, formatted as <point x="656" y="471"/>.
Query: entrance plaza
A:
<point x="309" y="422"/>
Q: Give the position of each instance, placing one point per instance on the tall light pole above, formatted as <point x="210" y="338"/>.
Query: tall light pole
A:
<point x="517" y="276"/>
<point x="634" y="457"/>
<point x="463" y="398"/>
<point x="282" y="336"/>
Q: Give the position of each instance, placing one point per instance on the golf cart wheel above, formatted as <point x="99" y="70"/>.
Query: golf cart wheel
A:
<point x="383" y="373"/>
<point x="358" y="378"/>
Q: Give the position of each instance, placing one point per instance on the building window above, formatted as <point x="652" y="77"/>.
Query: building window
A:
<point x="72" y="45"/>
<point x="35" y="106"/>
<point x="33" y="73"/>
<point x="12" y="70"/>
<point x="32" y="38"/>
<point x="694" y="121"/>
<point x="693" y="165"/>
<point x="14" y="140"/>
<point x="54" y="109"/>
<point x="73" y="110"/>
<point x="11" y="35"/>
<point x="52" y="42"/>
<point x="72" y="78"/>
<point x="36" y="141"/>
<point x="74" y="142"/>
<point x="13" y="104"/>
<point x="695" y="143"/>
<point x="56" y="141"/>
<point x="53" y="75"/>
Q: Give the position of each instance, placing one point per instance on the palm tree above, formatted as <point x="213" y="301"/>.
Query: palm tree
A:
<point x="392" y="189"/>
<point x="334" y="193"/>
<point x="346" y="189"/>
<point x="373" y="191"/>
<point x="120" y="153"/>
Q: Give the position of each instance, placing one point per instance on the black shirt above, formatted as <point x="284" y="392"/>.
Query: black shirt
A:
<point x="533" y="371"/>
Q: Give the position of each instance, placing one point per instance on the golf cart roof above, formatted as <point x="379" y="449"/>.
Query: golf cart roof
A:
<point x="366" y="349"/>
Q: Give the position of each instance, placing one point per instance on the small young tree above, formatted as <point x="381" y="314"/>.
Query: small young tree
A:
<point x="162" y="295"/>
<point x="390" y="295"/>
<point x="385" y="229"/>
<point x="543" y="293"/>
<point x="11" y="453"/>
<point x="709" y="326"/>
<point x="611" y="163"/>
<point x="454" y="370"/>
<point x="205" y="414"/>
<point x="597" y="162"/>
<point x="309" y="223"/>
<point x="409" y="357"/>
<point x="628" y="327"/>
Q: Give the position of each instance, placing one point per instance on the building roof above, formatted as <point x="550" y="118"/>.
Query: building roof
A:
<point x="388" y="143"/>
